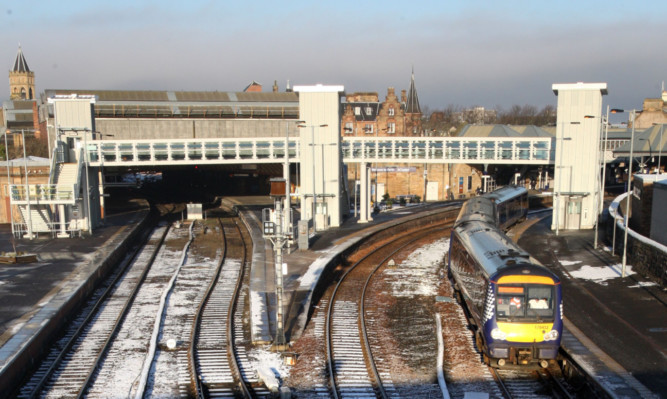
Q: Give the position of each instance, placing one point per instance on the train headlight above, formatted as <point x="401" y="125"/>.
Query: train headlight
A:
<point x="551" y="335"/>
<point x="497" y="334"/>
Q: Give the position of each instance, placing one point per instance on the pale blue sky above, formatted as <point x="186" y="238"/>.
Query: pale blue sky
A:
<point x="489" y="53"/>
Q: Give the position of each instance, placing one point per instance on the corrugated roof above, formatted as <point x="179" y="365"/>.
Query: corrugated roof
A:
<point x="652" y="141"/>
<point x="533" y="131"/>
<point x="488" y="131"/>
<point x="507" y="131"/>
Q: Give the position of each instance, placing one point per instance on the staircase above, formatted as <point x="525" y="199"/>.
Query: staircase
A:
<point x="39" y="216"/>
<point x="66" y="177"/>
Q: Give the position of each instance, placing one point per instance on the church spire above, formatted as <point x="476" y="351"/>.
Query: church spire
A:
<point x="20" y="65"/>
<point x="412" y="104"/>
<point x="21" y="79"/>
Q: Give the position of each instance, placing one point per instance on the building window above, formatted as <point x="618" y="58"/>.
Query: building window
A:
<point x="357" y="110"/>
<point x="349" y="128"/>
<point x="391" y="127"/>
<point x="368" y="128"/>
<point x="391" y="112"/>
<point x="469" y="183"/>
<point x="369" y="111"/>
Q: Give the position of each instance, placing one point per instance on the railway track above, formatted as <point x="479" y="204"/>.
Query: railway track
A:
<point x="543" y="383"/>
<point x="350" y="362"/>
<point x="106" y="351"/>
<point x="70" y="365"/>
<point x="217" y="366"/>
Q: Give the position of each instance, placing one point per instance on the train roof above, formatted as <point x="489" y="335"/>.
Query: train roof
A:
<point x="477" y="209"/>
<point x="505" y="193"/>
<point x="492" y="249"/>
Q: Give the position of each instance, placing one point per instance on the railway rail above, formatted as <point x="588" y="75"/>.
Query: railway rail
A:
<point x="72" y="361"/>
<point x="215" y="364"/>
<point x="350" y="362"/>
<point x="92" y="353"/>
<point x="542" y="383"/>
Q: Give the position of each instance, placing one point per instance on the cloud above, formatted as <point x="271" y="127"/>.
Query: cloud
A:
<point x="478" y="54"/>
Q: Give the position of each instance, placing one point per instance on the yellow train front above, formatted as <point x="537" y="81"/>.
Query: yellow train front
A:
<point x="522" y="319"/>
<point x="514" y="302"/>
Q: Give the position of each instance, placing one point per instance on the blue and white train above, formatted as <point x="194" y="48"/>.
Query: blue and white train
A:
<point x="514" y="302"/>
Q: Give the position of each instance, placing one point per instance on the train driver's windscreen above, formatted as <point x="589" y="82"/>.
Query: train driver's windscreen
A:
<point x="526" y="301"/>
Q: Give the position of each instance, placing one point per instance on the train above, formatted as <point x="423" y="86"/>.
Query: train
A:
<point x="514" y="303"/>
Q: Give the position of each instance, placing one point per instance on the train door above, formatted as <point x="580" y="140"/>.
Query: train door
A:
<point x="573" y="213"/>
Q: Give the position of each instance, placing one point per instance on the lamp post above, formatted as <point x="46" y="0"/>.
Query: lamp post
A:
<point x="660" y="145"/>
<point x="9" y="190"/>
<point x="633" y="115"/>
<point x="312" y="152"/>
<point x="650" y="152"/>
<point x="598" y="179"/>
<point x="27" y="186"/>
<point x="560" y="175"/>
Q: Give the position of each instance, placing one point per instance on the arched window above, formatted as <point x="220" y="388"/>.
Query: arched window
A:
<point x="22" y="93"/>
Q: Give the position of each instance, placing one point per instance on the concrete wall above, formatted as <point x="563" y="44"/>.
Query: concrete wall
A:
<point x="658" y="232"/>
<point x="577" y="144"/>
<point x="320" y="155"/>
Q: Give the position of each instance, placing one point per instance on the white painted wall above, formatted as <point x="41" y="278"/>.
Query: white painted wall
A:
<point x="577" y="149"/>
<point x="321" y="163"/>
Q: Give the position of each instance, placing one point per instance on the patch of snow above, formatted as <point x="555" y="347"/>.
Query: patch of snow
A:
<point x="601" y="274"/>
<point x="569" y="262"/>
<point x="266" y="360"/>
<point x="412" y="276"/>
<point x="644" y="284"/>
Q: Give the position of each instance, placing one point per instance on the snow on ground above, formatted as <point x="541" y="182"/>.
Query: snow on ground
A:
<point x="600" y="274"/>
<point x="414" y="277"/>
<point x="643" y="284"/>
<point x="264" y="358"/>
<point x="569" y="262"/>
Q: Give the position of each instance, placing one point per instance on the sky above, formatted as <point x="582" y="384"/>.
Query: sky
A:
<point x="463" y="53"/>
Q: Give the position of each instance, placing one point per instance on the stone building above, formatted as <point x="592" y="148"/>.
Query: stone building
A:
<point x="364" y="115"/>
<point x="21" y="79"/>
<point x="653" y="112"/>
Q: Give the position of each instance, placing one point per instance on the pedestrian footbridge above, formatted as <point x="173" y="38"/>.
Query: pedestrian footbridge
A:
<point x="534" y="151"/>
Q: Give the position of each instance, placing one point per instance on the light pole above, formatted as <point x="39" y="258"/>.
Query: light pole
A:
<point x="633" y="115"/>
<point x="9" y="190"/>
<point x="660" y="145"/>
<point x="560" y="175"/>
<point x="648" y="141"/>
<point x="600" y="181"/>
<point x="312" y="152"/>
<point x="27" y="186"/>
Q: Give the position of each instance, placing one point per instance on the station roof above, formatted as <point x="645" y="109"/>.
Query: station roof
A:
<point x="189" y="104"/>
<point x="504" y="131"/>
<point x="651" y="141"/>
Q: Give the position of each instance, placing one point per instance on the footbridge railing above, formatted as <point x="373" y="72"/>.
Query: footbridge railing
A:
<point x="255" y="150"/>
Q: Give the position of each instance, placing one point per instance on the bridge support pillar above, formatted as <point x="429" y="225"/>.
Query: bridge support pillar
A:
<point x="364" y="201"/>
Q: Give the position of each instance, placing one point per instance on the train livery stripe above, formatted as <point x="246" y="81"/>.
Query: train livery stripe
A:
<point x="526" y="333"/>
<point x="528" y="279"/>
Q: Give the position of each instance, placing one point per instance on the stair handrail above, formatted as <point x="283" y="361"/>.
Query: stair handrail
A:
<point x="79" y="167"/>
<point x="58" y="157"/>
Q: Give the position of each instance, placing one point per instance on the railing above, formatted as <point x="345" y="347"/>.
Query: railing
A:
<point x="73" y="228"/>
<point x="354" y="149"/>
<point x="38" y="194"/>
<point x="193" y="151"/>
<point x="449" y="150"/>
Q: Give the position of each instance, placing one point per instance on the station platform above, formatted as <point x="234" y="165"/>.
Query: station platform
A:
<point x="304" y="268"/>
<point x="615" y="327"/>
<point x="36" y="296"/>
